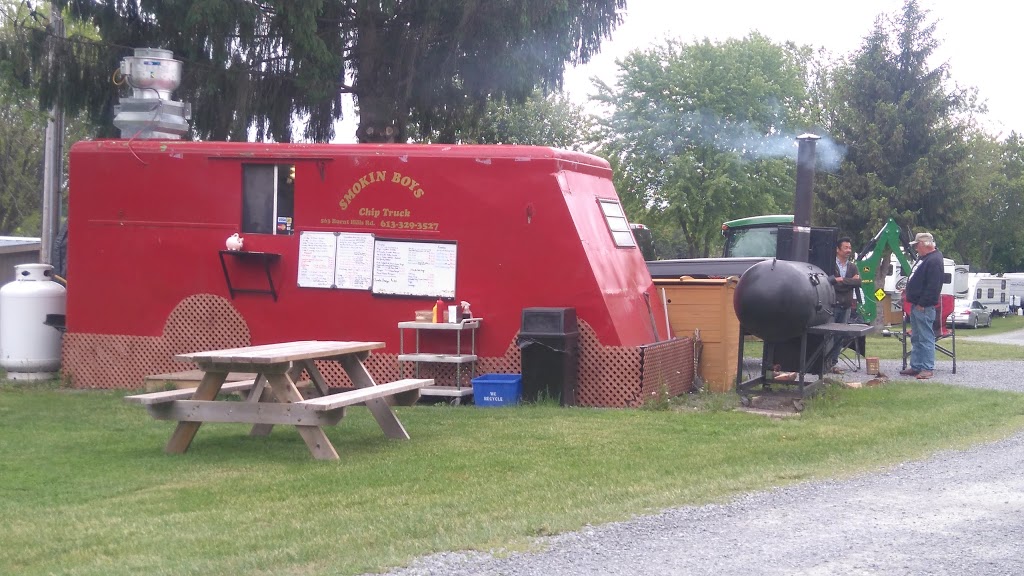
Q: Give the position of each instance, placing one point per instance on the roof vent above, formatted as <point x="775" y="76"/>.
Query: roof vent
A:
<point x="150" y="112"/>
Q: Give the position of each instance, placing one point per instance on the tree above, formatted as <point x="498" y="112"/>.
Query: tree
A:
<point x="21" y="147"/>
<point x="703" y="133"/>
<point x="982" y="207"/>
<point x="991" y="235"/>
<point x="551" y="120"/>
<point x="22" y="129"/>
<point x="1004" y="233"/>
<point x="906" y="134"/>
<point x="21" y="155"/>
<point x="429" y="64"/>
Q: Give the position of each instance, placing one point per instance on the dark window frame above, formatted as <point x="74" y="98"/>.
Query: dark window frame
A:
<point x="268" y="198"/>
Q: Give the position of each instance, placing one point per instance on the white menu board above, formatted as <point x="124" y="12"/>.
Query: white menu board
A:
<point x="414" y="268"/>
<point x="317" y="251"/>
<point x="335" y="260"/>
<point x="353" y="269"/>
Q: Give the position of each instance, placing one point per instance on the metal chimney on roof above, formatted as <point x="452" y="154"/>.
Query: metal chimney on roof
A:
<point x="150" y="112"/>
<point x="804" y="201"/>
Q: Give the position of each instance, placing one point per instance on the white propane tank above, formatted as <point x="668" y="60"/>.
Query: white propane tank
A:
<point x="29" y="349"/>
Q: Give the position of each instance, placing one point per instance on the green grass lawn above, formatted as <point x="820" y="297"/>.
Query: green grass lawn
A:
<point x="999" y="326"/>
<point x="889" y="348"/>
<point x="87" y="490"/>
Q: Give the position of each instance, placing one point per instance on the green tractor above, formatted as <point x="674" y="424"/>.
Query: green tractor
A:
<point x="766" y="236"/>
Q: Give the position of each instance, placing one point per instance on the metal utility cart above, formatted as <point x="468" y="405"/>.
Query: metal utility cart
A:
<point x="459" y="358"/>
<point x="826" y="336"/>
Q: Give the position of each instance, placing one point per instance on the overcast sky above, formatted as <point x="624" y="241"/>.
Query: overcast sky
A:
<point x="979" y="38"/>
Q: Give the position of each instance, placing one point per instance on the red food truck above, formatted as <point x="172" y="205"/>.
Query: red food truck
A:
<point x="344" y="242"/>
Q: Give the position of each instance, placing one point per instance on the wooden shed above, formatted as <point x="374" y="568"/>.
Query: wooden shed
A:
<point x="706" y="305"/>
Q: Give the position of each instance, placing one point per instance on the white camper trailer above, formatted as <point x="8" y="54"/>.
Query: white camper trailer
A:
<point x="991" y="291"/>
<point x="955" y="279"/>
<point x="1015" y="290"/>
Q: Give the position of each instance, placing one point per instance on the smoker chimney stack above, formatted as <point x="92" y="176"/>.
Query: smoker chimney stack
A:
<point x="804" y="201"/>
<point x="150" y="112"/>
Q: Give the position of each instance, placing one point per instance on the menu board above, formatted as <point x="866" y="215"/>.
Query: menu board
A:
<point x="335" y="260"/>
<point x="414" y="268"/>
<point x="353" y="269"/>
<point x="317" y="252"/>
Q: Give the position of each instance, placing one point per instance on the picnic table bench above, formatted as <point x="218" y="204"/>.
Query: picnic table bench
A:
<point x="273" y="397"/>
<point x="185" y="379"/>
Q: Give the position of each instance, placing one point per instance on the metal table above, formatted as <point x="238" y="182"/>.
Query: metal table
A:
<point x="832" y="334"/>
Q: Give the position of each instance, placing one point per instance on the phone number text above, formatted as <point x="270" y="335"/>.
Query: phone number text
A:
<point x="408" y="225"/>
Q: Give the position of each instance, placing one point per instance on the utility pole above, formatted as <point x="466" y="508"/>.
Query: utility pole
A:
<point x="53" y="152"/>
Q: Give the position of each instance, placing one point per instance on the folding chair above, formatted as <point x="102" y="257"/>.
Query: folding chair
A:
<point x="851" y="354"/>
<point x="947" y="303"/>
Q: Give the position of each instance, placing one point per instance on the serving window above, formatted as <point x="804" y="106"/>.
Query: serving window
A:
<point x="268" y="198"/>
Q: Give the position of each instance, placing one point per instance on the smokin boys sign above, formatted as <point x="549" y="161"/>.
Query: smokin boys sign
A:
<point x="375" y="177"/>
<point x="390" y="217"/>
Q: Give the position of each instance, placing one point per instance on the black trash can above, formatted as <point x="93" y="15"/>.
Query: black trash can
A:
<point x="549" y="345"/>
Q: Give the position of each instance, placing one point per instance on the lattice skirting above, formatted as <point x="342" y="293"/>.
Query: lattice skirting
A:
<point x="666" y="367"/>
<point x="609" y="376"/>
<point x="199" y="322"/>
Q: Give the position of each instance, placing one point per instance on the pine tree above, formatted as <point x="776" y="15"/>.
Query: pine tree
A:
<point x="255" y="64"/>
<point x="904" y="131"/>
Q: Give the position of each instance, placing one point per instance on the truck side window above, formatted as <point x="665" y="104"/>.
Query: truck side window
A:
<point x="991" y="293"/>
<point x="268" y="198"/>
<point x="753" y="242"/>
<point x="622" y="235"/>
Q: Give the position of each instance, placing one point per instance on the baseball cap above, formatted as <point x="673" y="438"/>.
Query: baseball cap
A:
<point x="923" y="237"/>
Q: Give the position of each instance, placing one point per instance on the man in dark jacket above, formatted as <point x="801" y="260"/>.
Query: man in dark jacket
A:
<point x="923" y="297"/>
<point x="845" y="279"/>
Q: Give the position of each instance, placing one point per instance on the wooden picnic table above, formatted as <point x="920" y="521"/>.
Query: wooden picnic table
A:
<point x="273" y="397"/>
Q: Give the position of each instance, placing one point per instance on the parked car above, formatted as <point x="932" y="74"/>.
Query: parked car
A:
<point x="970" y="313"/>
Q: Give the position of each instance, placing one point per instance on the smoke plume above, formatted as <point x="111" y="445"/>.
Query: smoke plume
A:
<point x="741" y="138"/>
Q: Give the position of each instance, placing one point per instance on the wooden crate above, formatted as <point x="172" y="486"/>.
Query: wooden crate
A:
<point x="706" y="305"/>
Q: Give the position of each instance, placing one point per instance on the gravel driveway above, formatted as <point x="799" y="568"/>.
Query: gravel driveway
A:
<point x="957" y="512"/>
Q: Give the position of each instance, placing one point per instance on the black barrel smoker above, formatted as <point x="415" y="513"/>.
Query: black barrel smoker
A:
<point x="788" y="303"/>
